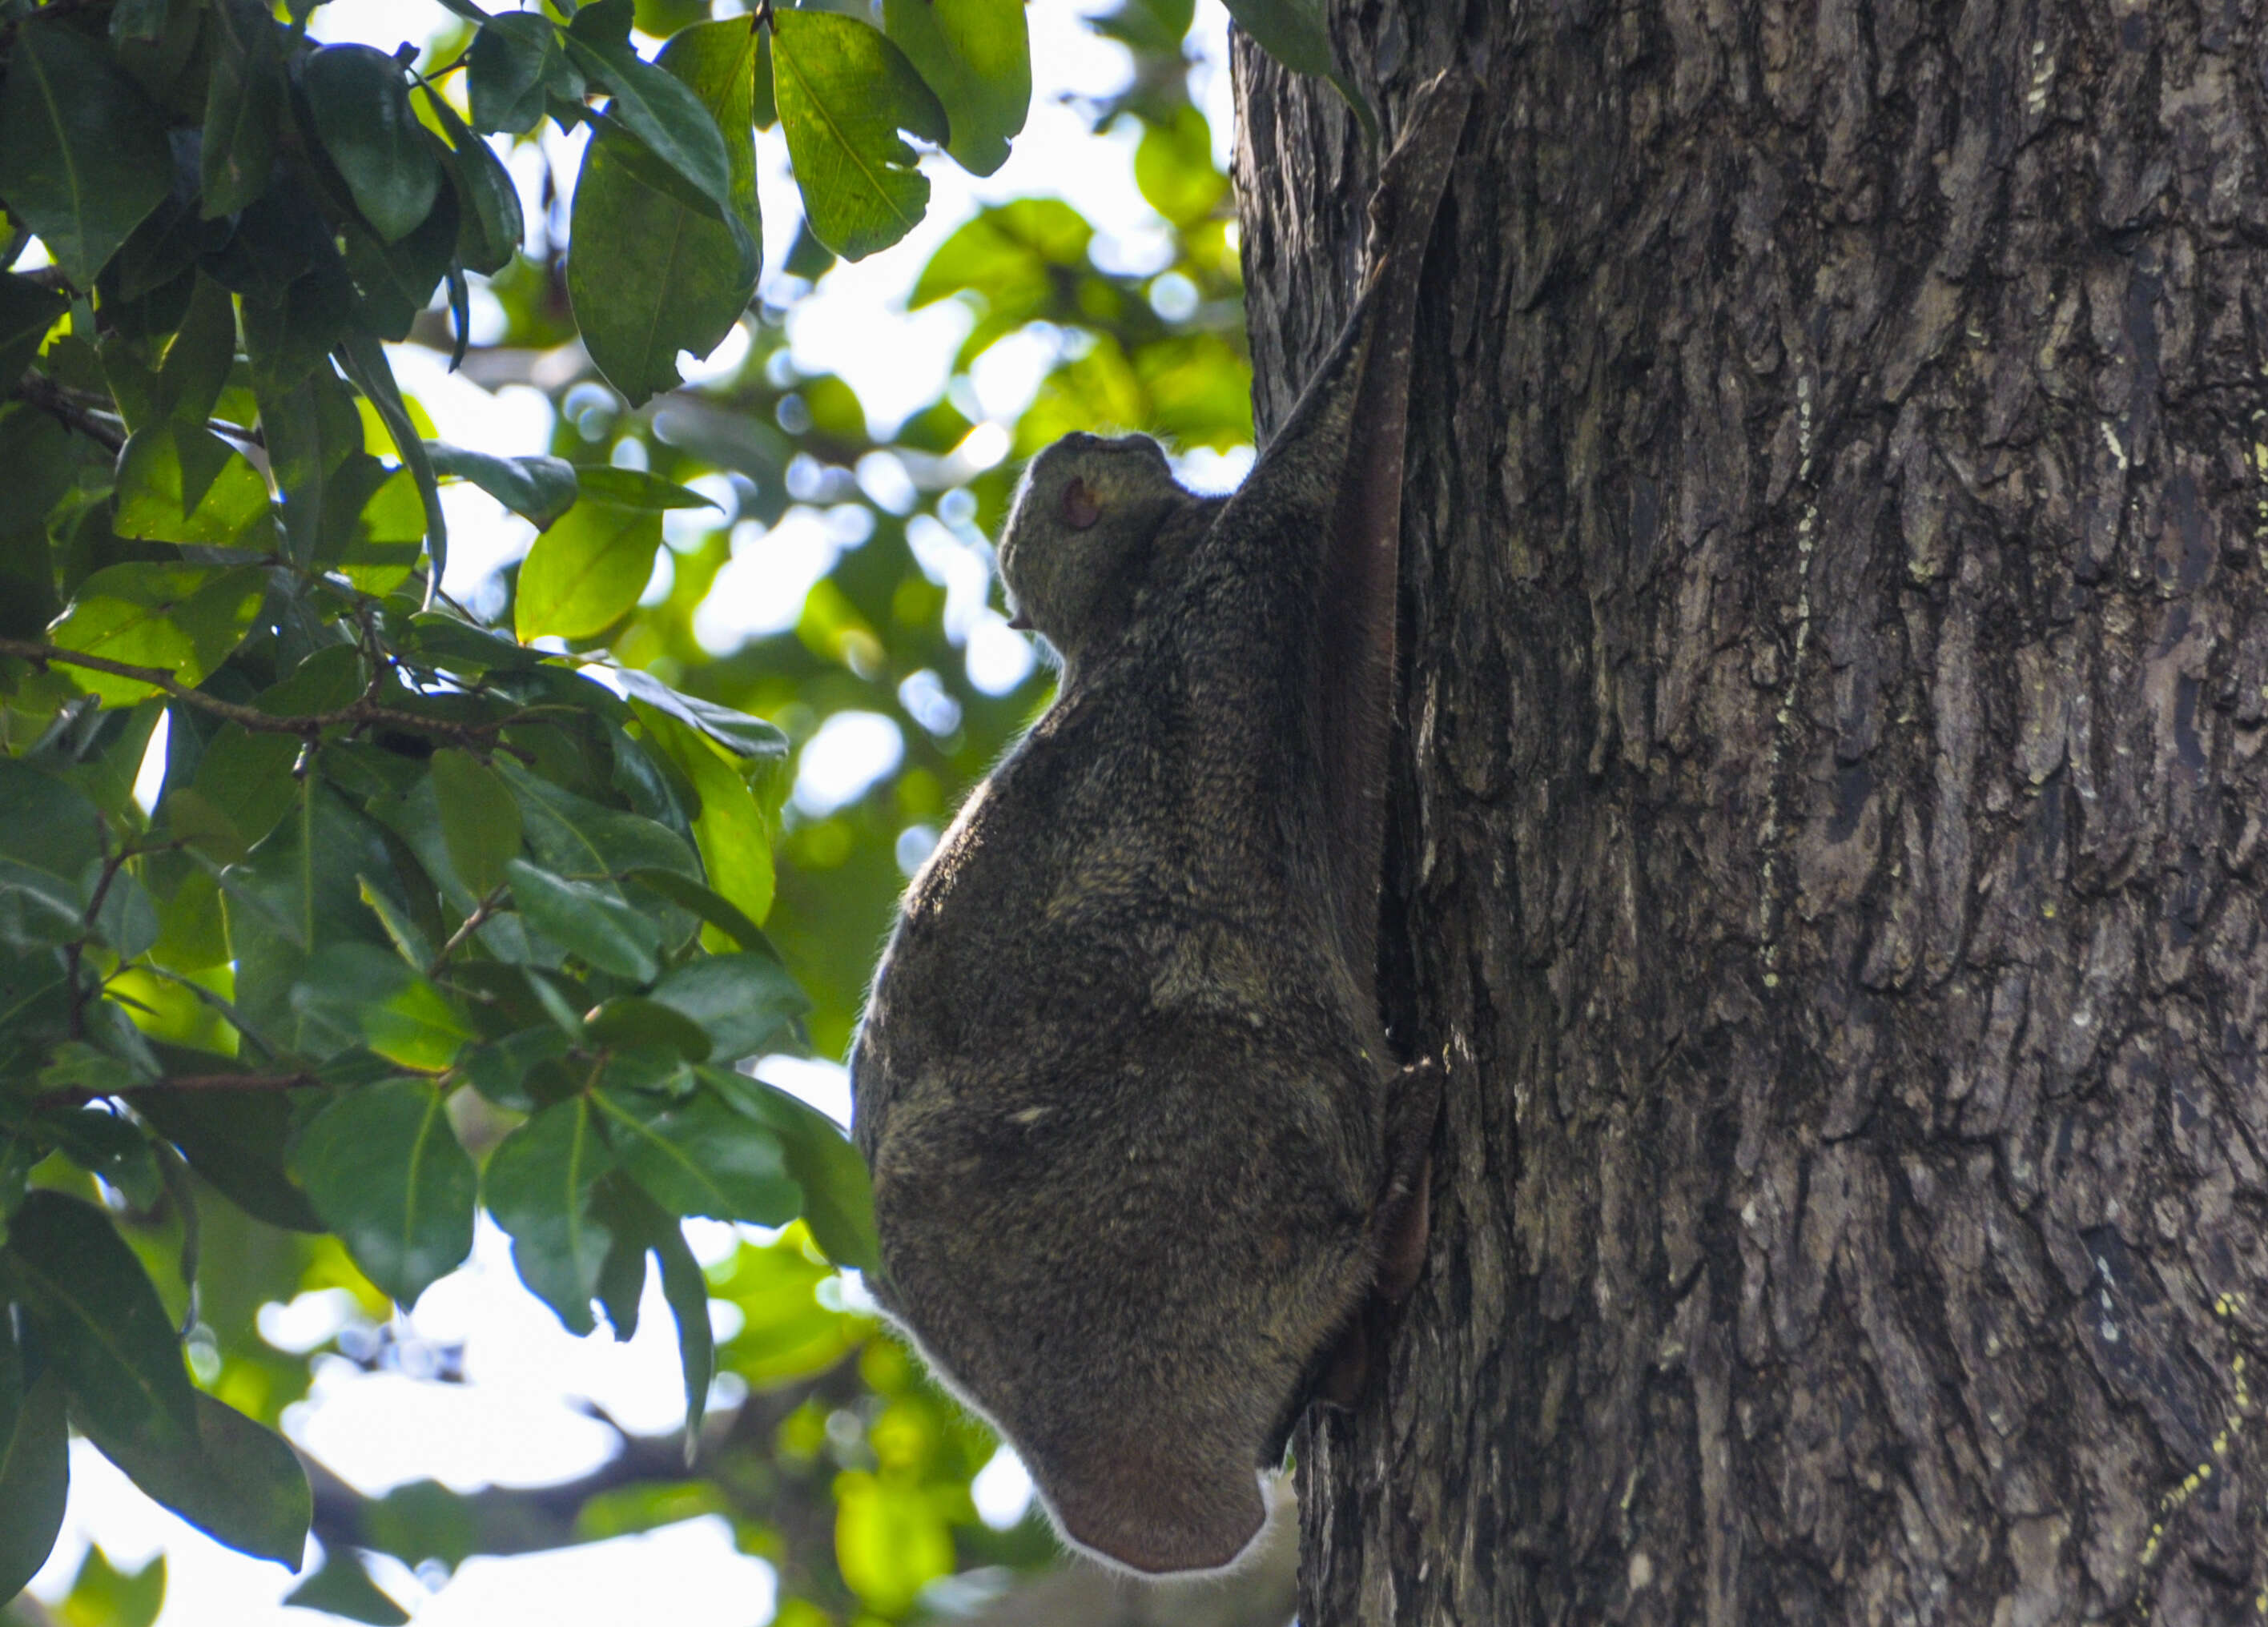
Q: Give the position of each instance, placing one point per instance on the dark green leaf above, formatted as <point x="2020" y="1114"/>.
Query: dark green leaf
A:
<point x="244" y="106"/>
<point x="629" y="1020"/>
<point x="360" y="105"/>
<point x="538" y="489"/>
<point x="635" y="489"/>
<point x="844" y="93"/>
<point x="235" y="1138"/>
<point x="492" y="225"/>
<point x="342" y="1587"/>
<point x="385" y="1172"/>
<point x="396" y="280"/>
<point x="662" y="113"/>
<point x="538" y="1186"/>
<point x="237" y="1481"/>
<point x="698" y="1157"/>
<point x="34" y="1469"/>
<point x="641" y="1225"/>
<point x="198" y="360"/>
<point x="364" y="365"/>
<point x="585" y="573"/>
<point x="1293" y="32"/>
<point x="49" y="835"/>
<point x="479" y="819"/>
<point x="581" y="840"/>
<point x="650" y="272"/>
<point x="977" y="54"/>
<point x="27" y="312"/>
<point x="99" y="1318"/>
<point x="500" y="1071"/>
<point x="838" y="1202"/>
<point x="745" y="1002"/>
<point x="516" y="60"/>
<point x="103" y="1143"/>
<point x="590" y="918"/>
<point x="83" y="154"/>
<point x="719" y="912"/>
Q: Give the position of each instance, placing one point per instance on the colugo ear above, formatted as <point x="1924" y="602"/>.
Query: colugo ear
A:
<point x="1081" y="508"/>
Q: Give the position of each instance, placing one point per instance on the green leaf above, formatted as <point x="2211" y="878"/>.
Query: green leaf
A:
<point x="977" y="54"/>
<point x="179" y="482"/>
<point x="583" y="574"/>
<point x="370" y="993"/>
<point x="244" y="104"/>
<point x="891" y="1540"/>
<point x="590" y="919"/>
<point x="197" y="360"/>
<point x="342" y="1587"/>
<point x="395" y="280"/>
<point x="650" y="272"/>
<point x="492" y="225"/>
<point x="83" y="154"/>
<point x="360" y="105"/>
<point x="479" y="819"/>
<point x="50" y="836"/>
<point x="721" y="913"/>
<point x="515" y="63"/>
<point x="738" y="733"/>
<point x="1173" y="168"/>
<point x="538" y="489"/>
<point x="364" y="365"/>
<point x="729" y="827"/>
<point x="1293" y="32"/>
<point x="34" y="1469"/>
<point x="1014" y="255"/>
<point x="698" y="1157"/>
<point x="235" y="1480"/>
<point x="182" y="619"/>
<point x="844" y="93"/>
<point x="838" y="1202"/>
<point x="235" y="1138"/>
<point x="538" y="1186"/>
<point x="636" y="489"/>
<point x="103" y="1595"/>
<point x="745" y="1002"/>
<point x="662" y="113"/>
<point x="629" y="1020"/>
<point x="385" y="1172"/>
<point x="27" y="312"/>
<point x="99" y="1318"/>
<point x="641" y="1225"/>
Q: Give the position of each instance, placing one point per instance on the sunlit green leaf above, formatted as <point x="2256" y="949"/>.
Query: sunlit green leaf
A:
<point x="729" y="827"/>
<point x="360" y="105"/>
<point x="366" y="991"/>
<point x="586" y="571"/>
<point x="384" y="1170"/>
<point x="890" y="1540"/>
<point x="83" y="154"/>
<point x="103" y="1595"/>
<point x="538" y="1186"/>
<point x="181" y="619"/>
<point x="636" y="489"/>
<point x="538" y="489"/>
<point x="844" y="93"/>
<point x="179" y="482"/>
<point x="976" y="56"/>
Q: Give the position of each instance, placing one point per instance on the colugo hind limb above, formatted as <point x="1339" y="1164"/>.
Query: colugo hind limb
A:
<point x="1141" y="1157"/>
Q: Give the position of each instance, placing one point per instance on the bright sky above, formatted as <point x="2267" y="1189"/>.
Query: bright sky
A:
<point x="517" y="1419"/>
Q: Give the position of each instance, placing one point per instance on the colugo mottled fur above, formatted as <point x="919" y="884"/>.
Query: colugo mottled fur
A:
<point x="1141" y="1157"/>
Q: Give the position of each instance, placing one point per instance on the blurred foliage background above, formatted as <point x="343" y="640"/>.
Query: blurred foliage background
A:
<point x="829" y="1452"/>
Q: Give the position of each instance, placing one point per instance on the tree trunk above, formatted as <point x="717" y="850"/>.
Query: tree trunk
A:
<point x="1828" y="812"/>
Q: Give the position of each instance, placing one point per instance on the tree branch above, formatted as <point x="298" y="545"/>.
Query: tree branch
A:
<point x="49" y="396"/>
<point x="355" y="714"/>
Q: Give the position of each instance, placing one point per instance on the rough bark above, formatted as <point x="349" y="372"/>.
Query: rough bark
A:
<point x="1829" y="819"/>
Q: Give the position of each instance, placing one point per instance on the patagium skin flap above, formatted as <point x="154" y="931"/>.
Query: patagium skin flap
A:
<point x="1139" y="1150"/>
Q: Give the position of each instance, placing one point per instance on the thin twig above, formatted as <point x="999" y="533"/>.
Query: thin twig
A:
<point x="49" y="397"/>
<point x="472" y="922"/>
<point x="355" y="714"/>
